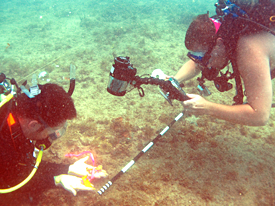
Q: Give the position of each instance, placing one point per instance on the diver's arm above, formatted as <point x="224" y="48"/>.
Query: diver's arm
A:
<point x="254" y="57"/>
<point x="43" y="179"/>
<point x="240" y="114"/>
<point x="187" y="71"/>
<point x="255" y="54"/>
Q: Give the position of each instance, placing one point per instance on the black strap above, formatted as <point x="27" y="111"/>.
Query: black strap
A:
<point x="238" y="99"/>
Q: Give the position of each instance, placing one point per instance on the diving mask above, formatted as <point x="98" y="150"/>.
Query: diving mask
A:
<point x="197" y="57"/>
<point x="47" y="142"/>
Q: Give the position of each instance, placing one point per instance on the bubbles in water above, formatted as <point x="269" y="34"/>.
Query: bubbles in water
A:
<point x="43" y="77"/>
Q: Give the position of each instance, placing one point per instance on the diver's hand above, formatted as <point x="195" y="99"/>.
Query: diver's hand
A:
<point x="80" y="168"/>
<point x="71" y="183"/>
<point x="196" y="105"/>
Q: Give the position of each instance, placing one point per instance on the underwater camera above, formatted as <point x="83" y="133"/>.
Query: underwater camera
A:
<point x="123" y="74"/>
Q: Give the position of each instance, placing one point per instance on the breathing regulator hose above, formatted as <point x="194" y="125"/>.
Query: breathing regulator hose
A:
<point x="38" y="160"/>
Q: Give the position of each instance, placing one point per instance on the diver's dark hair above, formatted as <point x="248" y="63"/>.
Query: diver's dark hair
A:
<point x="53" y="105"/>
<point x="201" y="31"/>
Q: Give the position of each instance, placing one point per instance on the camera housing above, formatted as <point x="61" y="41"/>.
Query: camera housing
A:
<point x="121" y="74"/>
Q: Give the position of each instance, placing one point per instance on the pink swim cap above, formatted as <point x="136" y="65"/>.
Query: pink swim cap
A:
<point x="216" y="23"/>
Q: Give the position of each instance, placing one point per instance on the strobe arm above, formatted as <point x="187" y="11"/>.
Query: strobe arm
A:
<point x="171" y="86"/>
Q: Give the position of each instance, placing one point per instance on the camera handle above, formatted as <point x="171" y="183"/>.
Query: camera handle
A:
<point x="172" y="86"/>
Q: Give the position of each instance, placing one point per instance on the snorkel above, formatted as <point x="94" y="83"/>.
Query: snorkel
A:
<point x="72" y="79"/>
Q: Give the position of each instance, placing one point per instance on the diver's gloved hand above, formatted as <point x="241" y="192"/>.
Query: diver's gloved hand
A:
<point x="80" y="168"/>
<point x="72" y="183"/>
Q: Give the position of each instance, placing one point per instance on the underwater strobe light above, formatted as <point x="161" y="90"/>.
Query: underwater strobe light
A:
<point x="121" y="74"/>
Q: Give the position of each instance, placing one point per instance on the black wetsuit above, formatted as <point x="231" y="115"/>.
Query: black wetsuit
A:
<point x="17" y="161"/>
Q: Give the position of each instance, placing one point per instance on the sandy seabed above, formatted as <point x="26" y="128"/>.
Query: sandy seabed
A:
<point x="199" y="161"/>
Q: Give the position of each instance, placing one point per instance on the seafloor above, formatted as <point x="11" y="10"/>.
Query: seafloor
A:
<point x="199" y="161"/>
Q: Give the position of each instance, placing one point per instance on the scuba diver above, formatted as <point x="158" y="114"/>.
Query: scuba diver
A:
<point x="34" y="119"/>
<point x="241" y="33"/>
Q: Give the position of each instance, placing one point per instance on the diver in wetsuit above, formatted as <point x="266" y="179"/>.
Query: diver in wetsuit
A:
<point x="32" y="119"/>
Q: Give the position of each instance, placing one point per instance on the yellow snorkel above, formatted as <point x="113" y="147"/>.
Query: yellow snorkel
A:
<point x="38" y="160"/>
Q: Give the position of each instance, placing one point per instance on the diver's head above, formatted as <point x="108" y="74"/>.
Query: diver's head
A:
<point x="44" y="116"/>
<point x="42" y="134"/>
<point x="203" y="43"/>
<point x="201" y="34"/>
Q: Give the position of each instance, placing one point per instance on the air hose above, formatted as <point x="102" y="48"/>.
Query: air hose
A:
<point x="38" y="160"/>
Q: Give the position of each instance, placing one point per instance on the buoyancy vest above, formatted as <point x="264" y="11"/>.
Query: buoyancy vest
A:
<point x="16" y="152"/>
